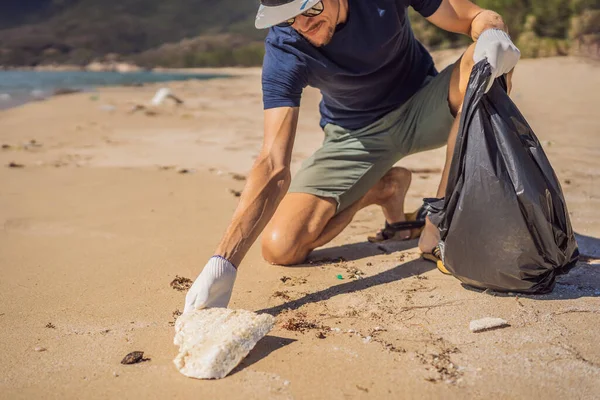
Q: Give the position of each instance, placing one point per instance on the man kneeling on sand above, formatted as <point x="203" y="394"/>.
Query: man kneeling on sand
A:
<point x="383" y="99"/>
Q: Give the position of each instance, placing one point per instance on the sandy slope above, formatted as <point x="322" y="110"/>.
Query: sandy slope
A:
<point x="94" y="229"/>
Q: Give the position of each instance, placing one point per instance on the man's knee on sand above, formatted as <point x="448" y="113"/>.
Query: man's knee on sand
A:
<point x="296" y="225"/>
<point x="280" y="249"/>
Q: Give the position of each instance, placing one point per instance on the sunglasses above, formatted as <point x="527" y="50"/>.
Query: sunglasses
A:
<point x="317" y="9"/>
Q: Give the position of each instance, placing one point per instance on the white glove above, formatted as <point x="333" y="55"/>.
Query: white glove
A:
<point x="213" y="286"/>
<point x="501" y="53"/>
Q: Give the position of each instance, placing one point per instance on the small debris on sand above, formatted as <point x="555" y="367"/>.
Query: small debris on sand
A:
<point x="443" y="367"/>
<point x="134" y="357"/>
<point x="299" y="323"/>
<point x="486" y="324"/>
<point x="39" y="349"/>
<point x="238" y="177"/>
<point x="236" y="193"/>
<point x="176" y="314"/>
<point x="364" y="389"/>
<point x="354" y="272"/>
<point x="50" y="325"/>
<point x="320" y="335"/>
<point x="283" y="294"/>
<point x="15" y="165"/>
<point x="181" y="284"/>
<point x="32" y="144"/>
<point x="292" y="281"/>
<point x="6" y="147"/>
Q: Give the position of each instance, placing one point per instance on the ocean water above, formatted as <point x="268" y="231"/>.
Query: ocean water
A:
<point x="20" y="87"/>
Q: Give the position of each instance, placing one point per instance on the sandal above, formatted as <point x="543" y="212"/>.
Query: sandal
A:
<point x="436" y="257"/>
<point x="415" y="221"/>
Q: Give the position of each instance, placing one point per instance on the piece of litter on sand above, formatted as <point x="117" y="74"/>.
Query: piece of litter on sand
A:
<point x="367" y="339"/>
<point x="15" y="165"/>
<point x="181" y="284"/>
<point x="162" y="94"/>
<point x="486" y="324"/>
<point x="108" y="108"/>
<point x="340" y="277"/>
<point x="213" y="341"/>
<point x="134" y="357"/>
<point x="238" y="177"/>
<point x="39" y="349"/>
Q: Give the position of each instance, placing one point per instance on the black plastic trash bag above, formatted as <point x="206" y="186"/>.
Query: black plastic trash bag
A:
<point x="503" y="221"/>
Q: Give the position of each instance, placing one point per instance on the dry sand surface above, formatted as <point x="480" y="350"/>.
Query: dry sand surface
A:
<point x="103" y="216"/>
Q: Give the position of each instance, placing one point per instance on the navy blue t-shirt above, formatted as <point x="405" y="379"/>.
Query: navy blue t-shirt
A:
<point x="372" y="65"/>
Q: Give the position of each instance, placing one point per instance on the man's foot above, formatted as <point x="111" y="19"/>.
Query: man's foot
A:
<point x="414" y="222"/>
<point x="429" y="238"/>
<point x="429" y="246"/>
<point x="390" y="193"/>
<point x="436" y="257"/>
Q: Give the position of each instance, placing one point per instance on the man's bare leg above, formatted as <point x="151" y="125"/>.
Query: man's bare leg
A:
<point x="456" y="94"/>
<point x="304" y="222"/>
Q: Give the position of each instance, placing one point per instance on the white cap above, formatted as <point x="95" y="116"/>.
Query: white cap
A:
<point x="273" y="12"/>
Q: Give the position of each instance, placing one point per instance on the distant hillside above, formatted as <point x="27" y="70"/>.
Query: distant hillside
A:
<point x="188" y="33"/>
<point x="80" y="30"/>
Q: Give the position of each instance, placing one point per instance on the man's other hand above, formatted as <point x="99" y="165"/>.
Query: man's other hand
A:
<point x="500" y="51"/>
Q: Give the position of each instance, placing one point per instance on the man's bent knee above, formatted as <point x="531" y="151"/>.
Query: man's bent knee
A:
<point x="295" y="227"/>
<point x="278" y="248"/>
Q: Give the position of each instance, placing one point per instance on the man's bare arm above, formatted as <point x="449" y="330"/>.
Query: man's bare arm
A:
<point x="462" y="16"/>
<point x="266" y="185"/>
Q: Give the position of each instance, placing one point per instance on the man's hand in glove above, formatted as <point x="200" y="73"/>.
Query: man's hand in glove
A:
<point x="501" y="53"/>
<point x="213" y="286"/>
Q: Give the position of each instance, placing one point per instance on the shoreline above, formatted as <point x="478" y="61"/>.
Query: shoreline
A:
<point x="14" y="97"/>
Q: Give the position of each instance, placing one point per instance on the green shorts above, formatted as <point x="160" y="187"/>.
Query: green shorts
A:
<point x="349" y="163"/>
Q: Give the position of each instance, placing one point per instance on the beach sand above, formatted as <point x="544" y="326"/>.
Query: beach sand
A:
<point x="111" y="205"/>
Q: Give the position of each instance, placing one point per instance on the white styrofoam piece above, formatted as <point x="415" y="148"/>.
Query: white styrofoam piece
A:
<point x="160" y="96"/>
<point x="485" y="324"/>
<point x="212" y="342"/>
